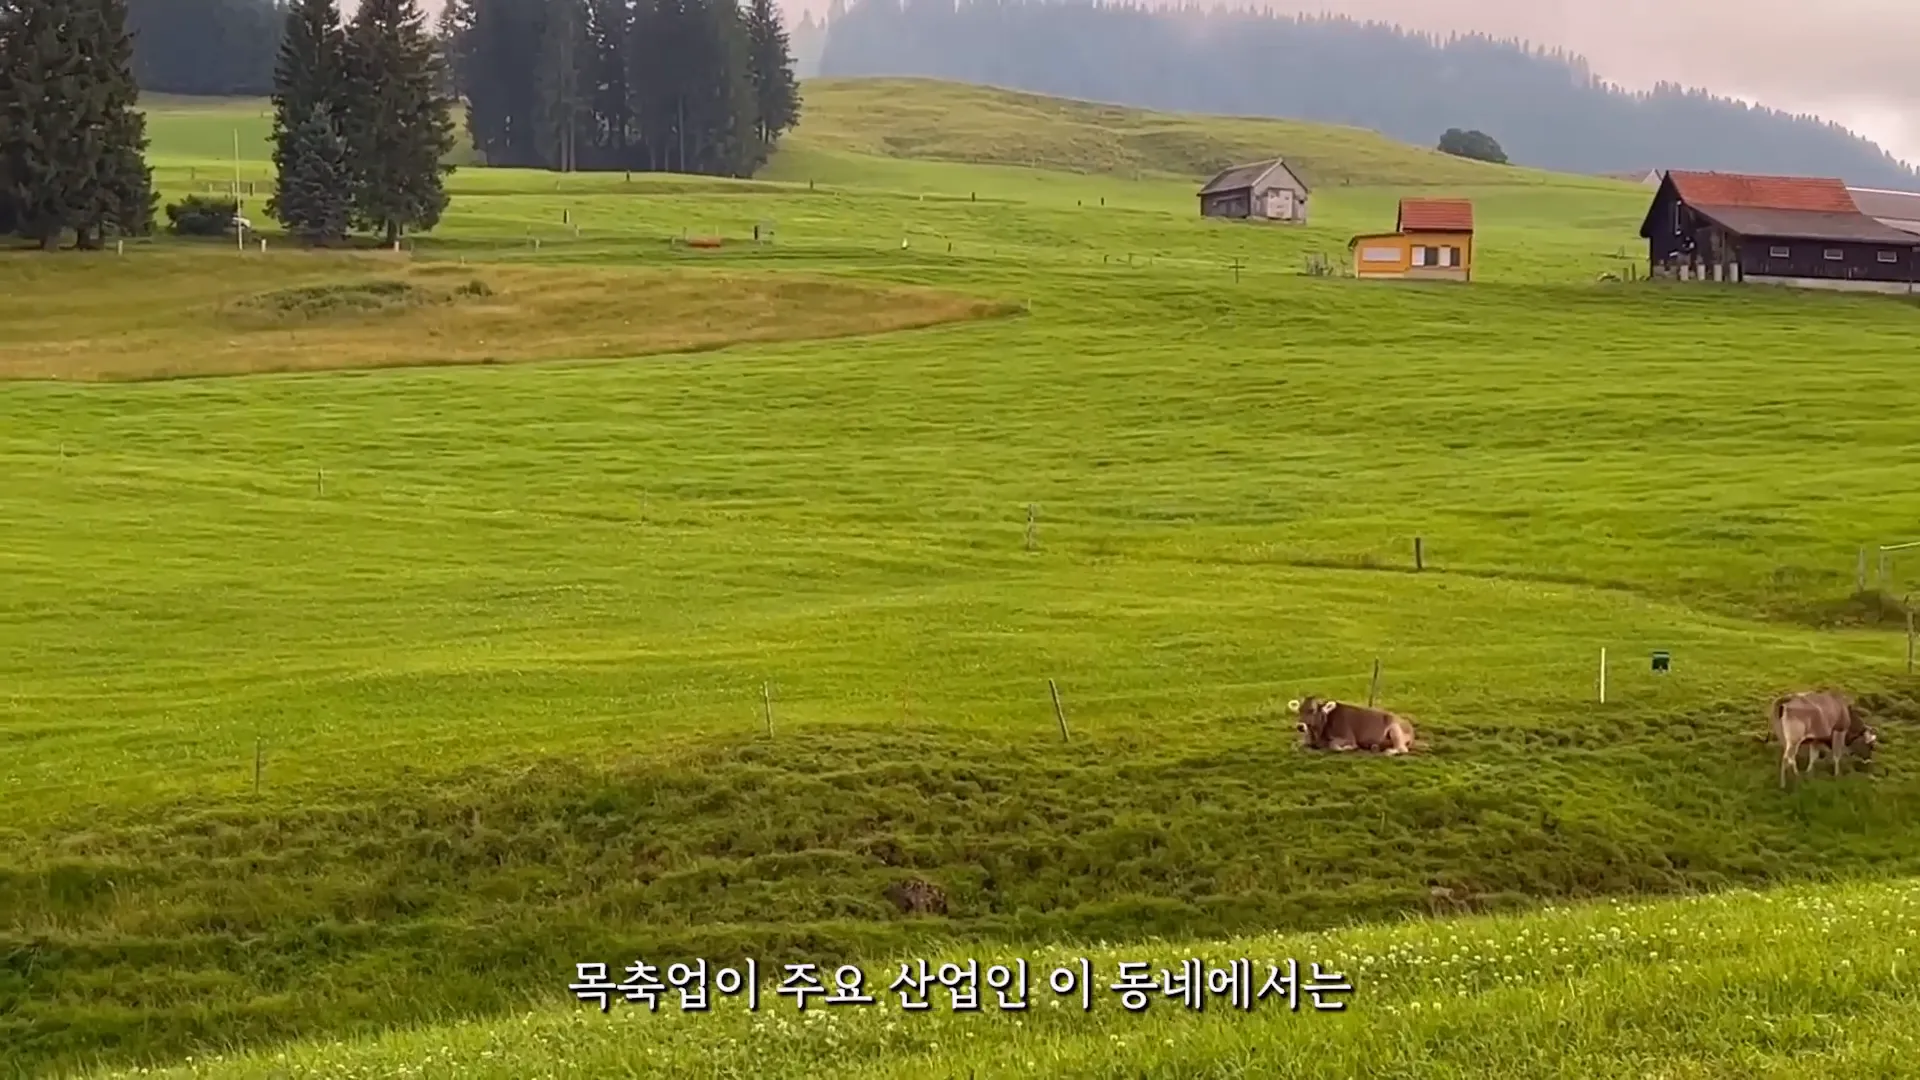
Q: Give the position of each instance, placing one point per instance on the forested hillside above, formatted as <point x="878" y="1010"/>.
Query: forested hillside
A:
<point x="1545" y="108"/>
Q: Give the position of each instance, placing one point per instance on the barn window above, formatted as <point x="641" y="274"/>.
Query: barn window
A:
<point x="1380" y="254"/>
<point x="1420" y="256"/>
<point x="1780" y="253"/>
<point x="1835" y="255"/>
<point x="1889" y="256"/>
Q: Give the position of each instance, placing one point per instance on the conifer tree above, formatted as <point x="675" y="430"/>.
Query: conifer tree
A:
<point x="125" y="202"/>
<point x="308" y="82"/>
<point x="398" y="127"/>
<point x="559" y="83"/>
<point x="72" y="143"/>
<point x="770" y="60"/>
<point x="315" y="199"/>
<point x="10" y="41"/>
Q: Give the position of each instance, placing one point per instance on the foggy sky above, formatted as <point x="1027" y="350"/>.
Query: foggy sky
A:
<point x="1852" y="61"/>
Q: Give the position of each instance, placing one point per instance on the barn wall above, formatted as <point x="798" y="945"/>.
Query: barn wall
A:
<point x="1273" y="204"/>
<point x="1236" y="204"/>
<point x="1806" y="259"/>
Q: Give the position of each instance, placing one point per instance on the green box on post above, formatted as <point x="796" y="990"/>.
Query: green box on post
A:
<point x="1661" y="660"/>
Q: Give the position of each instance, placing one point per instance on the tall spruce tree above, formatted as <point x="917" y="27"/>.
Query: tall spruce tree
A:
<point x="770" y="61"/>
<point x="72" y="143"/>
<point x="315" y="200"/>
<point x="494" y="46"/>
<point x="398" y="125"/>
<point x="10" y="23"/>
<point x="310" y="81"/>
<point x="127" y="200"/>
<point x="559" y="82"/>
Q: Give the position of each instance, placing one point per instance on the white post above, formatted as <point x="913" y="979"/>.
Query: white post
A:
<point x="239" y="234"/>
<point x="1603" y="675"/>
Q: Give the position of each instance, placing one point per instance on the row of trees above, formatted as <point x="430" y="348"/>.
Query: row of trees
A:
<point x="696" y="86"/>
<point x="1546" y="106"/>
<point x="210" y="47"/>
<point x="72" y="143"/>
<point x="362" y="122"/>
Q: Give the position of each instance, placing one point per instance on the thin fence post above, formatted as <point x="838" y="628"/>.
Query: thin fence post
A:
<point x="1860" y="575"/>
<point x="258" y="763"/>
<point x="1373" y="687"/>
<point x="766" y="698"/>
<point x="1033" y="526"/>
<point x="1908" y="604"/>
<point x="1603" y="674"/>
<point x="1059" y="711"/>
<point x="1419" y="554"/>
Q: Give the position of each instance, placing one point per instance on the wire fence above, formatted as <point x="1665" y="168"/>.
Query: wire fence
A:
<point x="742" y="711"/>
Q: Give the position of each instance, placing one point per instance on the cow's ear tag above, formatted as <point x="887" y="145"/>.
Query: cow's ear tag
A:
<point x="1326" y="708"/>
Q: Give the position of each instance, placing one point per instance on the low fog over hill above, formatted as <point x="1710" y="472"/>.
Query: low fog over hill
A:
<point x="1547" y="108"/>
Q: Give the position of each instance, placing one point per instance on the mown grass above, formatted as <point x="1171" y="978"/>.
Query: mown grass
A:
<point x="500" y="637"/>
<point x="1738" y="985"/>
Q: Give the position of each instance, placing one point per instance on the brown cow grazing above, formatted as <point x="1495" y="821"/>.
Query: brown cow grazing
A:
<point x="1817" y="719"/>
<point x="1334" y="725"/>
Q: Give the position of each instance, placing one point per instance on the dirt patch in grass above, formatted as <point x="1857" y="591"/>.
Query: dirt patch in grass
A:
<point x="184" y="314"/>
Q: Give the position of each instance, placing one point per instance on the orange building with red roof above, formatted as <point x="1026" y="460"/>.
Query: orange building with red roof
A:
<point x="1431" y="241"/>
<point x="1785" y="230"/>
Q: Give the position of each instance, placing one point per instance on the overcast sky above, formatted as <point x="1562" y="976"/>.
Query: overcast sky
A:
<point x="1853" y="61"/>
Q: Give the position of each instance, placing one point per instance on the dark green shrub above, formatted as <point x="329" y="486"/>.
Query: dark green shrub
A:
<point x="202" y="215"/>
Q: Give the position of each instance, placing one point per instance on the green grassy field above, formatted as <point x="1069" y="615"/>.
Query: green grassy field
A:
<point x="1785" y="984"/>
<point x="498" y="640"/>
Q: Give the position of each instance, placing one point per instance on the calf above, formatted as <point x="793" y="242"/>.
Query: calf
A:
<point x="1817" y="719"/>
<point x="1334" y="725"/>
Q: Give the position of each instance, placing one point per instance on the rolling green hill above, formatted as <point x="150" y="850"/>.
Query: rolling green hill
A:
<point x="1740" y="985"/>
<point x="927" y="119"/>
<point x="665" y="600"/>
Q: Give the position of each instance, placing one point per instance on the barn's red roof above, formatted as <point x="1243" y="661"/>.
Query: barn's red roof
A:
<point x="1815" y="194"/>
<point x="1436" y="215"/>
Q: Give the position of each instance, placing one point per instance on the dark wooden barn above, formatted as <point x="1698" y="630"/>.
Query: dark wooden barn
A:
<point x="1774" y="230"/>
<point x="1266" y="191"/>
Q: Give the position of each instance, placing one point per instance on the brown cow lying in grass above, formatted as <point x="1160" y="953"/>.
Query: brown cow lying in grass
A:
<point x="1335" y="725"/>
<point x="1818" y="719"/>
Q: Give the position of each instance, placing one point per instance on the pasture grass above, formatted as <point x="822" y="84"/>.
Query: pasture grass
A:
<point x="1772" y="984"/>
<point x="184" y="312"/>
<point x="500" y="640"/>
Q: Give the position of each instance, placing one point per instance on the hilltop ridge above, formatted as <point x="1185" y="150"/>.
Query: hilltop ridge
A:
<point x="939" y="120"/>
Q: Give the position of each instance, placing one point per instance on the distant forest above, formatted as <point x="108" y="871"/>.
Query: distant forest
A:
<point x="1545" y="107"/>
<point x="215" y="48"/>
